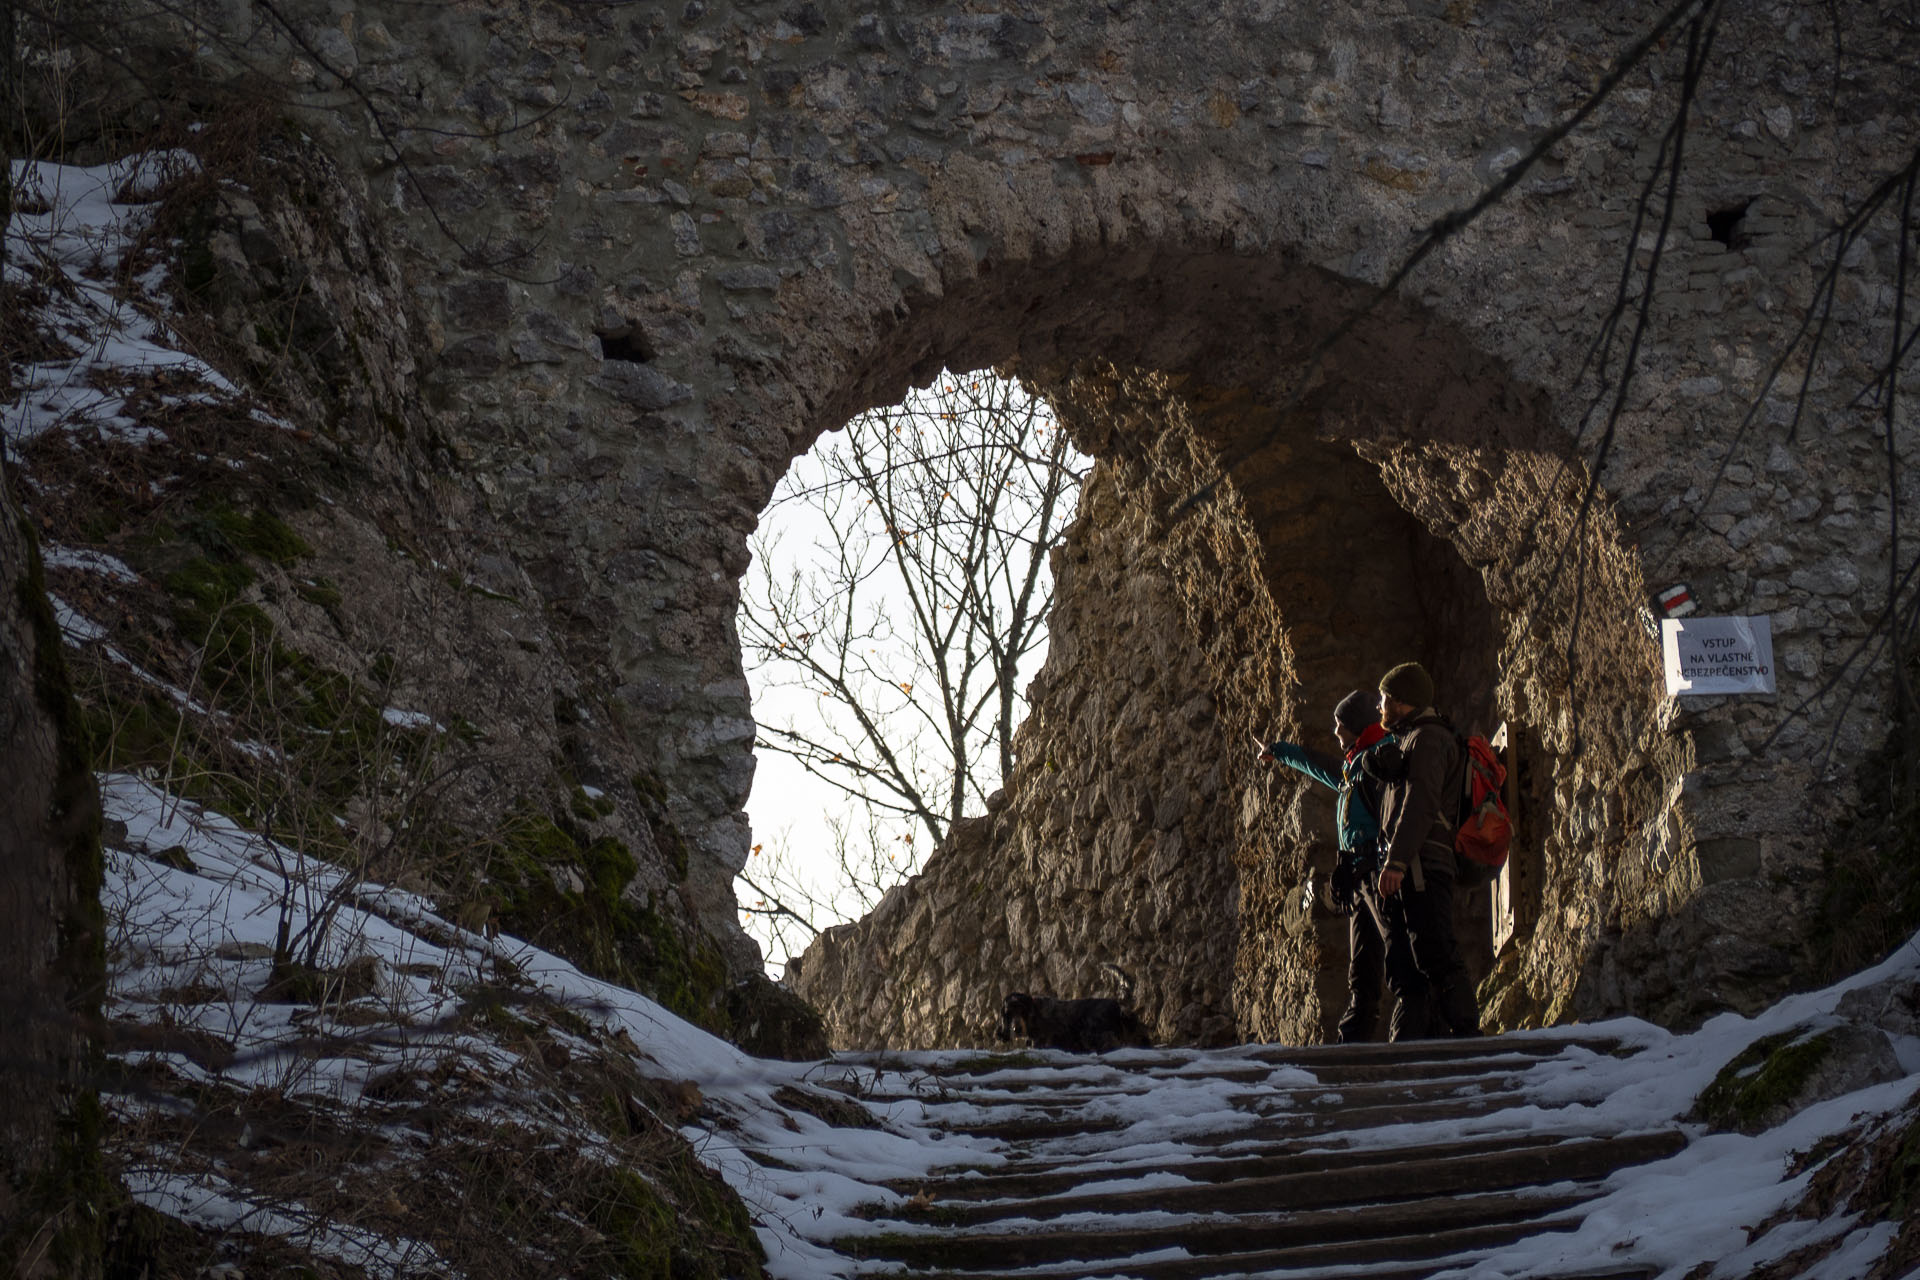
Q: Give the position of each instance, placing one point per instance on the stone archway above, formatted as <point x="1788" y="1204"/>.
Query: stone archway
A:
<point x="1408" y="506"/>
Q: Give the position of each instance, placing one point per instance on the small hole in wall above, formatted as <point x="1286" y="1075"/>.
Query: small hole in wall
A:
<point x="1724" y="224"/>
<point x="626" y="345"/>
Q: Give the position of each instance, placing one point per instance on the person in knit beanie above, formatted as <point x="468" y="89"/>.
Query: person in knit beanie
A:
<point x="1354" y="712"/>
<point x="1419" y="806"/>
<point x="1409" y="685"/>
<point x="1377" y="932"/>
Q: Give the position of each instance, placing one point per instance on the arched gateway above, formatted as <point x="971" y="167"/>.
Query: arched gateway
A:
<point x="1412" y="501"/>
<point x="728" y="227"/>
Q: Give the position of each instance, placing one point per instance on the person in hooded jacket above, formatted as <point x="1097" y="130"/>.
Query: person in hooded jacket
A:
<point x="1421" y="776"/>
<point x="1377" y="934"/>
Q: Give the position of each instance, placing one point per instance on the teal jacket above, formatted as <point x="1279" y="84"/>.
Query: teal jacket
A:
<point x="1358" y="808"/>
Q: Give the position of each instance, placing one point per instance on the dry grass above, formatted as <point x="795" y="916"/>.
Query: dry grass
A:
<point x="514" y="1141"/>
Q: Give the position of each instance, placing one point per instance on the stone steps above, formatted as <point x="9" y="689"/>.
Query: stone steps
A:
<point x="1311" y="1056"/>
<point x="1327" y="1118"/>
<point x="1388" y="1270"/>
<point x="1307" y="1180"/>
<point x="1343" y="1067"/>
<point x="1403" y="1269"/>
<point x="1347" y="1094"/>
<point x="1386" y="1256"/>
<point x="1521" y="1166"/>
<point x="1352" y="1232"/>
<point x="1335" y="1074"/>
<point x="1046" y="1178"/>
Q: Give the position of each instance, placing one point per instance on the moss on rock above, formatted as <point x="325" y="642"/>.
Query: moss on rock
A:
<point x="554" y="885"/>
<point x="637" y="1223"/>
<point x="258" y="532"/>
<point x="1899" y="1181"/>
<point x="68" y="1191"/>
<point x="654" y="802"/>
<point x="687" y="1226"/>
<point x="1763" y="1081"/>
<point x="840" y="1113"/>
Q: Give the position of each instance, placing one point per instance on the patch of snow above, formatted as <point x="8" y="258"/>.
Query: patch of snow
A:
<point x="74" y="629"/>
<point x="410" y="719"/>
<point x="1856" y="1257"/>
<point x="58" y="557"/>
<point x="179" y="695"/>
<point x="218" y="923"/>
<point x="211" y="1202"/>
<point x="76" y="245"/>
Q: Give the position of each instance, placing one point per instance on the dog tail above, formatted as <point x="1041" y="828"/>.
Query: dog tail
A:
<point x="1121" y="980"/>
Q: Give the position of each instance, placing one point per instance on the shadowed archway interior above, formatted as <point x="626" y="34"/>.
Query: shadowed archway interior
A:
<point x="1395" y="497"/>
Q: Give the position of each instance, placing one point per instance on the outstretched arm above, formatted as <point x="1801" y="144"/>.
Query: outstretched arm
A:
<point x="1323" y="769"/>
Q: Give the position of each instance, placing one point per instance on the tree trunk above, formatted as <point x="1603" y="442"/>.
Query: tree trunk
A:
<point x="52" y="960"/>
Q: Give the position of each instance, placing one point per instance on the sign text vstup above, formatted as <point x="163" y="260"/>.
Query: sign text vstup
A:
<point x="1718" y="655"/>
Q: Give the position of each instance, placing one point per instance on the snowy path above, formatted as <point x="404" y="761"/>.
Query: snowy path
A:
<point x="1127" y="1170"/>
<point x="1559" y="1153"/>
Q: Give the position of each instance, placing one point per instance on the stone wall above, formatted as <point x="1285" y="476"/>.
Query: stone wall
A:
<point x="1118" y="837"/>
<point x="660" y="249"/>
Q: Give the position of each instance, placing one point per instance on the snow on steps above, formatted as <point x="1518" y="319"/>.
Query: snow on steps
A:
<point x="1310" y="1184"/>
<point x="847" y="1165"/>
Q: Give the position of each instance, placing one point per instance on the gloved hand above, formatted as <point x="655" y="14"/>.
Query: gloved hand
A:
<point x="1343" y="887"/>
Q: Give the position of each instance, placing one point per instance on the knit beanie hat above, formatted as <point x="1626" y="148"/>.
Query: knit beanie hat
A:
<point x="1355" y="712"/>
<point x="1408" y="683"/>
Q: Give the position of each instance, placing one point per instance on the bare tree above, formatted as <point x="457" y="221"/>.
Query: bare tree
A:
<point x="908" y="623"/>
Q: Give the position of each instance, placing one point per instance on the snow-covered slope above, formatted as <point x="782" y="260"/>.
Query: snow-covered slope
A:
<point x="386" y="1026"/>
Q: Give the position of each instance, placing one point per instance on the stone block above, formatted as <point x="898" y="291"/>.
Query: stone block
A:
<point x="1834" y="576"/>
<point x="1892" y="1005"/>
<point x="640" y="385"/>
<point x="1171" y="807"/>
<point x="479" y="304"/>
<point x="1728" y="858"/>
<point x="477" y="356"/>
<point x="1779" y="1076"/>
<point x="1747" y="530"/>
<point x="686" y="235"/>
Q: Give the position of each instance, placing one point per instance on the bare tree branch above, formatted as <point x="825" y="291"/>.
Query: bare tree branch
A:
<point x="910" y="629"/>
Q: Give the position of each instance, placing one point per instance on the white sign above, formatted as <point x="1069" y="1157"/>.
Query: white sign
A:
<point x="1718" y="655"/>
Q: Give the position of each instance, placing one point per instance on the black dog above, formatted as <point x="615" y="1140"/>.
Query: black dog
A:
<point x="1076" y="1026"/>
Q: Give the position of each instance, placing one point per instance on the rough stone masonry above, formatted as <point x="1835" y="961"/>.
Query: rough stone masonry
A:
<point x="657" y="250"/>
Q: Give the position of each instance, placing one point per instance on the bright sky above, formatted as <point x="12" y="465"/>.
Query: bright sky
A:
<point x="790" y="809"/>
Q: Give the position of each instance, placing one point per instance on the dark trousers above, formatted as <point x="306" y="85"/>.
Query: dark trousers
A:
<point x="1429" y="917"/>
<point x="1378" y="940"/>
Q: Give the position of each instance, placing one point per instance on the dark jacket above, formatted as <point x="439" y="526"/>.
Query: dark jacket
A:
<point x="1357" y="811"/>
<point x="1421" y="797"/>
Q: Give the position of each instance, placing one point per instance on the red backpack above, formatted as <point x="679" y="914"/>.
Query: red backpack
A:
<point x="1485" y="829"/>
